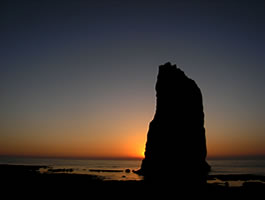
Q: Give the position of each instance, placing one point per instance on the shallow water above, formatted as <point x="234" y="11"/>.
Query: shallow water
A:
<point x="115" y="169"/>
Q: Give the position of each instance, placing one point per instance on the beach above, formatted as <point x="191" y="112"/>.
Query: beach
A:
<point x="29" y="179"/>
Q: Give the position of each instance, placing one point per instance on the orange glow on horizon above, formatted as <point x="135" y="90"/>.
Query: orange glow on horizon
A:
<point x="113" y="141"/>
<point x="131" y="146"/>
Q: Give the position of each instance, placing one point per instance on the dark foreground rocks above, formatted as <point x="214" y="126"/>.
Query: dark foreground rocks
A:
<point x="26" y="181"/>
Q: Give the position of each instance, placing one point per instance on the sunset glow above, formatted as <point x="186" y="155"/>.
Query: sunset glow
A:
<point x="78" y="79"/>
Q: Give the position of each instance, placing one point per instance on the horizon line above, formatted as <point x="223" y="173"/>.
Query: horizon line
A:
<point x="235" y="157"/>
<point x="74" y="157"/>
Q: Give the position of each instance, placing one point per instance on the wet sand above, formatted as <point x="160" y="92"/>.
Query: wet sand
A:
<point x="19" y="180"/>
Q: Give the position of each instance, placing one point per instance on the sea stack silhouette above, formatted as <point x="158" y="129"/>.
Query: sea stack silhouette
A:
<point x="176" y="143"/>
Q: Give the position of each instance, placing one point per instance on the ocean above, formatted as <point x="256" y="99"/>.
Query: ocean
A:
<point x="123" y="169"/>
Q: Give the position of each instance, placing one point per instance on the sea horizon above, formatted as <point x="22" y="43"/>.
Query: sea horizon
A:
<point x="243" y="157"/>
<point x="122" y="169"/>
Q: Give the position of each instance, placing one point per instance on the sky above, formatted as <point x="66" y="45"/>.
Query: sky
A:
<point x="77" y="78"/>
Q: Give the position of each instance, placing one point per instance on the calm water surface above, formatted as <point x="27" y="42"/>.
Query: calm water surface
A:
<point x="118" y="167"/>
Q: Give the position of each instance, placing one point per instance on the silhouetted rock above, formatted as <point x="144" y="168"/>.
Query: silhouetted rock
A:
<point x="176" y="144"/>
<point x="60" y="170"/>
<point x="105" y="170"/>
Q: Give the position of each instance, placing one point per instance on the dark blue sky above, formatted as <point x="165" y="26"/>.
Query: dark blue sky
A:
<point x="97" y="60"/>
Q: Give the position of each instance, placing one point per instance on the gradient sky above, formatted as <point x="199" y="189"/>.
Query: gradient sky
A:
<point x="77" y="77"/>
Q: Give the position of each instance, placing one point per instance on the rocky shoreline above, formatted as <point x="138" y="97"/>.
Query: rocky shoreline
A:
<point x="19" y="177"/>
